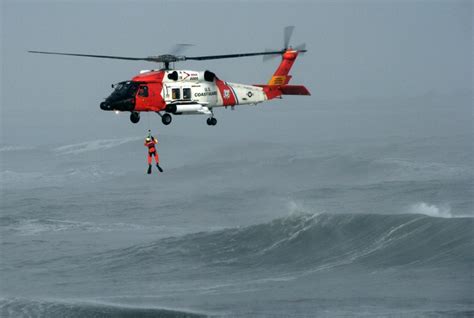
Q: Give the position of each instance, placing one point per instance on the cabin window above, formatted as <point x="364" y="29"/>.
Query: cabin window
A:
<point x="143" y="91"/>
<point x="187" y="93"/>
<point x="175" y="93"/>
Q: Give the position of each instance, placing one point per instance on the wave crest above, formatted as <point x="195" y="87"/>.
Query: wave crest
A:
<point x="314" y="242"/>
<point x="431" y="210"/>
<point x="17" y="307"/>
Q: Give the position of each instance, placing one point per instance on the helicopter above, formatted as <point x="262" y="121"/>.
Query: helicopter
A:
<point x="168" y="91"/>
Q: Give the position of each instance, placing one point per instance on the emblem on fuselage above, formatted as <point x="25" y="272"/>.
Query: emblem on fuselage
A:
<point x="226" y="93"/>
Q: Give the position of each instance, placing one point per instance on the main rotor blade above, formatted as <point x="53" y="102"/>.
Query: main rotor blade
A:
<point x="227" y="56"/>
<point x="99" y="56"/>
<point x="287" y="35"/>
<point x="179" y="48"/>
<point x="268" y="57"/>
<point x="165" y="58"/>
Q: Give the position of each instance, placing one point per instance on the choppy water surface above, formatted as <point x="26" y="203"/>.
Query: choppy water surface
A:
<point x="259" y="229"/>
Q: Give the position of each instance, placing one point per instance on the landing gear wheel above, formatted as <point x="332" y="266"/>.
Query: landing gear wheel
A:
<point x="211" y="121"/>
<point x="166" y="119"/>
<point x="135" y="117"/>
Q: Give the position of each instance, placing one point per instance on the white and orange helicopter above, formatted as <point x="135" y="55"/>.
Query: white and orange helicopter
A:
<point x="183" y="92"/>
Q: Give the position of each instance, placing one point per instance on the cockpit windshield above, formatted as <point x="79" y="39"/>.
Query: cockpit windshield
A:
<point x="125" y="90"/>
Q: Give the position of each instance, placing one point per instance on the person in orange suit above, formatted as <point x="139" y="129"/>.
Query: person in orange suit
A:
<point x="150" y="143"/>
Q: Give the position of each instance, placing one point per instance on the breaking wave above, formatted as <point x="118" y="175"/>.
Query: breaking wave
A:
<point x="16" y="307"/>
<point x="311" y="242"/>
<point x="431" y="210"/>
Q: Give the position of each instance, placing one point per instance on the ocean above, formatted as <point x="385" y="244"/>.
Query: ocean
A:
<point x="362" y="227"/>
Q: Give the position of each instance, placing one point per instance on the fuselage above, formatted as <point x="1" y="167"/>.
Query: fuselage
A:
<point x="180" y="91"/>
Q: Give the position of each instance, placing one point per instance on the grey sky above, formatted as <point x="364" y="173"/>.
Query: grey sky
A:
<point x="357" y="49"/>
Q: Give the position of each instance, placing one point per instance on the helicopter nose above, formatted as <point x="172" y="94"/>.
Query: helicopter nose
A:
<point x="105" y="106"/>
<point x="123" y="105"/>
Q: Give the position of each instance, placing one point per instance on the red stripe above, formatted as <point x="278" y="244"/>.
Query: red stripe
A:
<point x="228" y="98"/>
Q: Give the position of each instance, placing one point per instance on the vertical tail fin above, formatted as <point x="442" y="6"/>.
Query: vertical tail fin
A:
<point x="281" y="77"/>
<point x="278" y="84"/>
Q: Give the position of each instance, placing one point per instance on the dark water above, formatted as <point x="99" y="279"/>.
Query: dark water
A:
<point x="380" y="230"/>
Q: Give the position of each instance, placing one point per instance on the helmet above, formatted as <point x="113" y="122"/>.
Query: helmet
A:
<point x="148" y="139"/>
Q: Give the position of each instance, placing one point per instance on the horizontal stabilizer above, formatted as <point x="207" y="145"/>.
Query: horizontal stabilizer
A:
<point x="274" y="91"/>
<point x="294" y="90"/>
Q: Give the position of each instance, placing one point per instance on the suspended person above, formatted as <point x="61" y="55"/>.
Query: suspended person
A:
<point x="150" y="142"/>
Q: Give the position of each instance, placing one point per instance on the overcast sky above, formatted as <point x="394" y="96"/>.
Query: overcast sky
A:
<point x="357" y="49"/>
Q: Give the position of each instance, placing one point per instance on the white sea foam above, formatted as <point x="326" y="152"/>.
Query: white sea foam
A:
<point x="89" y="173"/>
<point x="431" y="210"/>
<point x="37" y="226"/>
<point x="93" y="145"/>
<point x="395" y="169"/>
<point x="298" y="208"/>
<point x="14" y="148"/>
<point x="8" y="177"/>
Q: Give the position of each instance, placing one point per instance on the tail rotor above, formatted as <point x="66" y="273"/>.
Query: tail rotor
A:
<point x="287" y="33"/>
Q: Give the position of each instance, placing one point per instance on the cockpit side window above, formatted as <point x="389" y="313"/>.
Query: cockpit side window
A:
<point x="143" y="91"/>
<point x="125" y="90"/>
